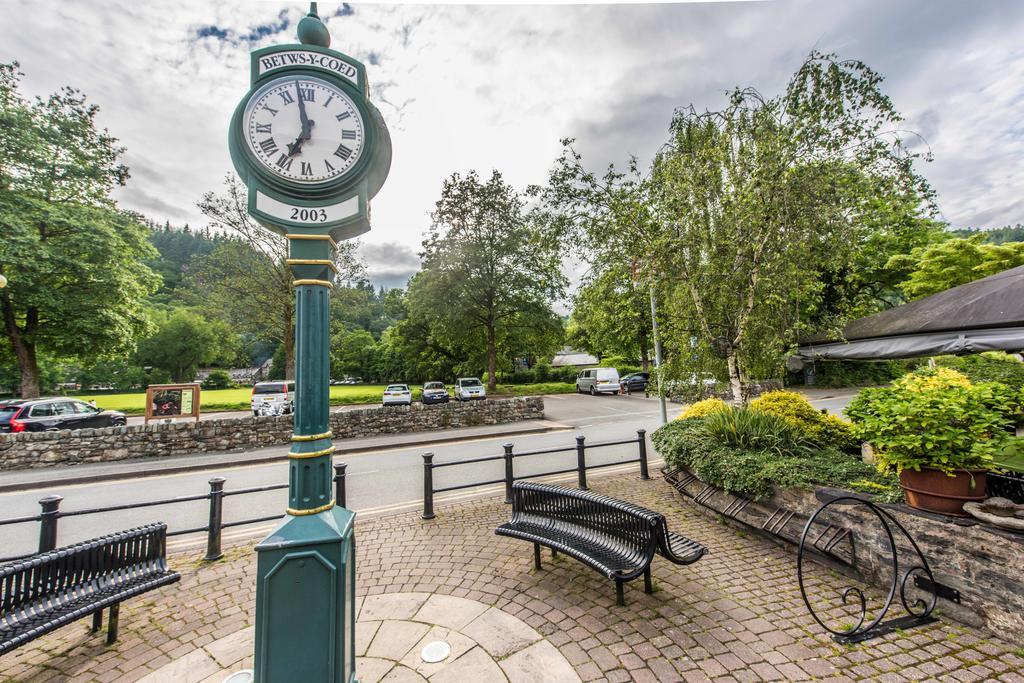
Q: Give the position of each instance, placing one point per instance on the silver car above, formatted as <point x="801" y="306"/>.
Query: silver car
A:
<point x="598" y="381"/>
<point x="397" y="395"/>
<point x="469" y="389"/>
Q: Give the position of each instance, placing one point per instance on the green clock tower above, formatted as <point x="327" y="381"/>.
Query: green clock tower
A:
<point x="313" y="151"/>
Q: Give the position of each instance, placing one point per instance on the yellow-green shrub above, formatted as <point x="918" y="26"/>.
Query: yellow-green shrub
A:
<point x="702" y="408"/>
<point x="821" y="428"/>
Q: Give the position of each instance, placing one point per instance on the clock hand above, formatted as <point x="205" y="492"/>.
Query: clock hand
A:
<point x="307" y="125"/>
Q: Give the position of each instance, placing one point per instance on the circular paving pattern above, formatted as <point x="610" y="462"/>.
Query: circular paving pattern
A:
<point x="392" y="630"/>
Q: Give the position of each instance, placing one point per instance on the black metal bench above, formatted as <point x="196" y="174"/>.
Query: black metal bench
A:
<point x="54" y="588"/>
<point x="616" y="538"/>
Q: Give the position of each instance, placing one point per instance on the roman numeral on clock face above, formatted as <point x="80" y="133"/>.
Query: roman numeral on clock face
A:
<point x="330" y="169"/>
<point x="263" y="128"/>
<point x="308" y="94"/>
<point x="328" y="101"/>
<point x="286" y="96"/>
<point x="268" y="146"/>
<point x="273" y="112"/>
<point x="348" y="135"/>
<point x="343" y="152"/>
<point x="285" y="162"/>
<point x="307" y="169"/>
<point x="343" y="115"/>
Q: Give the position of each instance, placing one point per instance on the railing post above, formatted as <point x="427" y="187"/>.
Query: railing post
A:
<point x="509" y="475"/>
<point x="48" y="523"/>
<point x="216" y="518"/>
<point x="428" y="486"/>
<point x="581" y="462"/>
<point x="339" y="484"/>
<point x="641" y="441"/>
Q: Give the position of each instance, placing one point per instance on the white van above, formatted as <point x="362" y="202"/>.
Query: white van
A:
<point x="598" y="381"/>
<point x="273" y="398"/>
<point x="469" y="389"/>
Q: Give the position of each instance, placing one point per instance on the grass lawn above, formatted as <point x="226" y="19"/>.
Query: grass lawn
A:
<point x="215" y="400"/>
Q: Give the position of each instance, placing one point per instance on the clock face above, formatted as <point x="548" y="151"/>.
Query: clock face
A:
<point x="304" y="129"/>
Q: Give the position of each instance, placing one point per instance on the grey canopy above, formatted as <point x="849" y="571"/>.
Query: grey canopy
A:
<point x="984" y="315"/>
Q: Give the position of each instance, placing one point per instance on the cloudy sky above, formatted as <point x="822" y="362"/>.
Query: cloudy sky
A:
<point x="484" y="86"/>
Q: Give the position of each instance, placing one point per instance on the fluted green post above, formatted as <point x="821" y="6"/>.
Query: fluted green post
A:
<point x="305" y="586"/>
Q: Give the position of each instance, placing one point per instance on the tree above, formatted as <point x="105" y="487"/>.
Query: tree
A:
<point x="75" y="263"/>
<point x="352" y="353"/>
<point x="758" y="222"/>
<point x="489" y="274"/>
<point x="757" y="200"/>
<point x="957" y="261"/>
<point x="184" y="341"/>
<point x="246" y="280"/>
<point x="612" y="314"/>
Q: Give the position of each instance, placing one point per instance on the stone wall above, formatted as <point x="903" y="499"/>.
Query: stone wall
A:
<point x="984" y="563"/>
<point x="157" y="439"/>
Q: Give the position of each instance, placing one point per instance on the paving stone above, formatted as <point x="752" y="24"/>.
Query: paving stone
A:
<point x="446" y="610"/>
<point x="539" y="662"/>
<point x="192" y="668"/>
<point x="475" y="665"/>
<point x="394" y="639"/>
<point x="394" y="606"/>
<point x="232" y="649"/>
<point x="371" y="669"/>
<point x="403" y="674"/>
<point x="499" y="633"/>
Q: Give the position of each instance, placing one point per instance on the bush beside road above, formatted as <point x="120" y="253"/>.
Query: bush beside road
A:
<point x="222" y="400"/>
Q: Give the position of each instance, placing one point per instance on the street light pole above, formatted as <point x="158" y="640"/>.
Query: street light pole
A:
<point x="657" y="355"/>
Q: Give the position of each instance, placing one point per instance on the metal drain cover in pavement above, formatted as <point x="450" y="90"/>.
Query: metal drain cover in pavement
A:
<point x="436" y="651"/>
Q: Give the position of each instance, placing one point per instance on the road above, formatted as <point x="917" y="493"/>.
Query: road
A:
<point x="378" y="482"/>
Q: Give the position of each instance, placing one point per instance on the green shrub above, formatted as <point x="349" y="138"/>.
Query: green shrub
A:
<point x="819" y="427"/>
<point x="991" y="366"/>
<point x="746" y="428"/>
<point x="217" y="379"/>
<point x="702" y="408"/>
<point x="753" y="472"/>
<point x="935" y="418"/>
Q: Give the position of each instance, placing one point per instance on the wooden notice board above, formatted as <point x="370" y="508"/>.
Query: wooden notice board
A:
<point x="172" y="400"/>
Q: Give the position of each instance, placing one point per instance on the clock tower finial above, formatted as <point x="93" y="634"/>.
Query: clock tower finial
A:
<point x="312" y="31"/>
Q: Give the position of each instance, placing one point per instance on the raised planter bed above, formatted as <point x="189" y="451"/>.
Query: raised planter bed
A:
<point x="984" y="564"/>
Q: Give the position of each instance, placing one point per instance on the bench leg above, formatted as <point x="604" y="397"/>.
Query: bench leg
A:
<point x="647" y="580"/>
<point x="554" y="553"/>
<point x="97" y="621"/>
<point x="112" y="623"/>
<point x="536" y="556"/>
<point x="620" y="599"/>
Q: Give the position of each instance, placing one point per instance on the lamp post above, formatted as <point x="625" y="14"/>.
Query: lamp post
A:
<point x="657" y="355"/>
<point x="312" y="151"/>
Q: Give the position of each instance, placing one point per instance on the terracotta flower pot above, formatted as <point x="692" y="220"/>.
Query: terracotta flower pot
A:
<point x="933" y="490"/>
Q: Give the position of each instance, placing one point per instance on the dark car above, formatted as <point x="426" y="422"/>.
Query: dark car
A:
<point x="635" y="382"/>
<point x="434" y="392"/>
<point x="52" y="414"/>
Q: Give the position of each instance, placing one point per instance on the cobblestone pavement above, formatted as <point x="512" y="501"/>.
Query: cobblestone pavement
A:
<point x="734" y="616"/>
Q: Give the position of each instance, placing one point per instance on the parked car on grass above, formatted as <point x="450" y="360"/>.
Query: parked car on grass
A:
<point x="435" y="392"/>
<point x="53" y="414"/>
<point x="598" y="381"/>
<point x="634" y="382"/>
<point x="469" y="389"/>
<point x="397" y="395"/>
<point x="273" y="398"/>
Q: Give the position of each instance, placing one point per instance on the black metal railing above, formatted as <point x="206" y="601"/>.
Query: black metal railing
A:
<point x="508" y="456"/>
<point x="51" y="513"/>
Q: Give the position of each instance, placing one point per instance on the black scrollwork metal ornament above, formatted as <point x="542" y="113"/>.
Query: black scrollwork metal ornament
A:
<point x="919" y="611"/>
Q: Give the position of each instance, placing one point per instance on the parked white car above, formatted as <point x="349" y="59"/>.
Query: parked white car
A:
<point x="598" y="381"/>
<point x="397" y="395"/>
<point x="469" y="389"/>
<point x="273" y="398"/>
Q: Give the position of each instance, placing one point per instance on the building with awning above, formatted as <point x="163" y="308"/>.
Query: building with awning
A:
<point x="984" y="315"/>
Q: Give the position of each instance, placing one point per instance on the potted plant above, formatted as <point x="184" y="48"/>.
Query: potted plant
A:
<point x="938" y="432"/>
